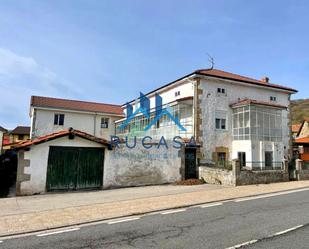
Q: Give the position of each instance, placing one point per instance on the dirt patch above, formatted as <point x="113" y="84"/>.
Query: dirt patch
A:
<point x="189" y="182"/>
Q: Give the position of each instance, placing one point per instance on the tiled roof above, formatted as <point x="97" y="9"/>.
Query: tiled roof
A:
<point x="2" y="129"/>
<point x="59" y="134"/>
<point x="302" y="140"/>
<point x="247" y="101"/>
<point x="295" y="127"/>
<point x="232" y="76"/>
<point x="21" y="130"/>
<point x="76" y="105"/>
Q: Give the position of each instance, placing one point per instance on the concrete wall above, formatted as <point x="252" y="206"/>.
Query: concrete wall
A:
<point x="32" y="164"/>
<point x="211" y="104"/>
<point x="140" y="166"/>
<point x="43" y="123"/>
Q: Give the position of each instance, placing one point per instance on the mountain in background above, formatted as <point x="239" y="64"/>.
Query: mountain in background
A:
<point x="299" y="110"/>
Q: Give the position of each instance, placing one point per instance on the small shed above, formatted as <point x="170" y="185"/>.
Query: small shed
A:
<point x="62" y="161"/>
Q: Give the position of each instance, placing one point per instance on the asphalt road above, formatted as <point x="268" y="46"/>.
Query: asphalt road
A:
<point x="273" y="222"/>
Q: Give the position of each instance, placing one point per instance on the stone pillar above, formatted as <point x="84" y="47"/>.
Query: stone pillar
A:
<point x="286" y="165"/>
<point x="298" y="164"/>
<point x="236" y="171"/>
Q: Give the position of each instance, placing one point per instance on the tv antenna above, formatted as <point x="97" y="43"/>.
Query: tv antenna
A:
<point x="211" y="61"/>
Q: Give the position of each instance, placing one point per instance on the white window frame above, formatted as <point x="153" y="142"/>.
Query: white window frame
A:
<point x="104" y="123"/>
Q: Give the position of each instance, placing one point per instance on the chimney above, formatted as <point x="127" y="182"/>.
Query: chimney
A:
<point x="265" y="79"/>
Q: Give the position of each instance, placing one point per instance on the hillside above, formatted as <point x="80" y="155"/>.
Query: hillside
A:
<point x="299" y="110"/>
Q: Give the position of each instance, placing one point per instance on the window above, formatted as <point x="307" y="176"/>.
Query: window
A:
<point x="220" y="124"/>
<point x="242" y="159"/>
<point x="272" y="98"/>
<point x="257" y="123"/>
<point x="59" y="119"/>
<point x="177" y="93"/>
<point x="221" y="91"/>
<point x="20" y="137"/>
<point x="104" y="122"/>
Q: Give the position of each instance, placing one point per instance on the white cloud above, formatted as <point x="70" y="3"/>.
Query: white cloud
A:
<point x="21" y="77"/>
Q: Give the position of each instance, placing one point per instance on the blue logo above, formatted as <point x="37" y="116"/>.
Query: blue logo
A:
<point x="144" y="108"/>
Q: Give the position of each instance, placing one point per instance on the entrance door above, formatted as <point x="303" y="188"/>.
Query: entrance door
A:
<point x="268" y="159"/>
<point x="72" y="168"/>
<point x="190" y="163"/>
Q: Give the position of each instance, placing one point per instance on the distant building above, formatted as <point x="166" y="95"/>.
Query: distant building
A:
<point x="17" y="135"/>
<point x="49" y="115"/>
<point x="301" y="141"/>
<point x="2" y="133"/>
<point x="295" y="129"/>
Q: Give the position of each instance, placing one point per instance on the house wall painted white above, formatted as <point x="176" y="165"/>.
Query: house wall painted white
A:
<point x="42" y="122"/>
<point x="213" y="103"/>
<point x="122" y="166"/>
<point x="184" y="87"/>
<point x="38" y="156"/>
<point x="139" y="166"/>
<point x="1" y="141"/>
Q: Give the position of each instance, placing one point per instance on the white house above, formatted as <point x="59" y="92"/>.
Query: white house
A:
<point x="49" y="115"/>
<point x="230" y="116"/>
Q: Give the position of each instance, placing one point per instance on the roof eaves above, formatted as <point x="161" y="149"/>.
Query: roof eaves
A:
<point x="250" y="82"/>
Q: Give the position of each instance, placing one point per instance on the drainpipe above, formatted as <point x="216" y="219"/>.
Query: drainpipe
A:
<point x="95" y="124"/>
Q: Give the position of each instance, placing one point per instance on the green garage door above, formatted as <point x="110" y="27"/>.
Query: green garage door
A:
<point x="72" y="168"/>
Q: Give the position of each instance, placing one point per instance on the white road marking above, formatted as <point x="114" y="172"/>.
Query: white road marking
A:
<point x="243" y="244"/>
<point x="1" y="241"/>
<point x="122" y="220"/>
<point x="211" y="205"/>
<point x="288" y="230"/>
<point x="57" y="232"/>
<point x="174" y="211"/>
<point x="269" y="195"/>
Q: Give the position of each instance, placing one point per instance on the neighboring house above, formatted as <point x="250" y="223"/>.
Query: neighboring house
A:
<point x="20" y="133"/>
<point x="49" y="115"/>
<point x="230" y="116"/>
<point x="65" y="160"/>
<point x="301" y="141"/>
<point x="15" y="136"/>
<point x="303" y="148"/>
<point x="2" y="134"/>
<point x="295" y="129"/>
<point x="303" y="129"/>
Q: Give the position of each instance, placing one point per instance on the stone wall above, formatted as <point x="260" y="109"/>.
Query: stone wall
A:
<point x="247" y="177"/>
<point x="237" y="177"/>
<point x="214" y="175"/>
<point x="302" y="173"/>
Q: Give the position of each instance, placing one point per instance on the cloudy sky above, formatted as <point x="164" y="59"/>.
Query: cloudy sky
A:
<point x="109" y="50"/>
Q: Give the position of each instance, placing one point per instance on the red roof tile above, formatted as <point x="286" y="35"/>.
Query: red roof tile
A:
<point x="59" y="134"/>
<point x="247" y="101"/>
<point x="76" y="105"/>
<point x="295" y="127"/>
<point x="302" y="140"/>
<point x="232" y="76"/>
